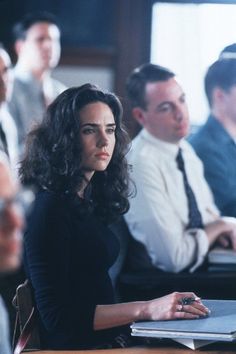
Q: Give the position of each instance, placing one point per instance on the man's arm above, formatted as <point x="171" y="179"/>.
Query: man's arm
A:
<point x="220" y="173"/>
<point x="160" y="225"/>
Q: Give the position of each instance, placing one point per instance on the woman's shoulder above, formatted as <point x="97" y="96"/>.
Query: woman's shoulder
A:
<point x="54" y="201"/>
<point x="47" y="197"/>
<point x="48" y="203"/>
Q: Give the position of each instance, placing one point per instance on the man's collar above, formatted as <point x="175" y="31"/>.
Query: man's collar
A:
<point x="169" y="148"/>
<point x="26" y="75"/>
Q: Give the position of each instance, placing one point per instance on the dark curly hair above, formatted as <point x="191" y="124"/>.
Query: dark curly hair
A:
<point x="53" y="153"/>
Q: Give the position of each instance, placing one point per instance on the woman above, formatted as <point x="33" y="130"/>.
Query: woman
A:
<point x="76" y="159"/>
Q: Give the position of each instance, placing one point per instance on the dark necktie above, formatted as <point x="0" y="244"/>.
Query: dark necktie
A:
<point x="3" y="140"/>
<point x="195" y="218"/>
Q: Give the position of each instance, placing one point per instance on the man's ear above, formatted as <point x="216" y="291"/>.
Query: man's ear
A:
<point x="18" y="45"/>
<point x="139" y="115"/>
<point x="218" y="95"/>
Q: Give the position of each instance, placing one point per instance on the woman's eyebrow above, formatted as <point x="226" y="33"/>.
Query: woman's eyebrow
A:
<point x="97" y="125"/>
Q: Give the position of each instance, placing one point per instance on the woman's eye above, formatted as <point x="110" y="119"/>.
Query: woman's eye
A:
<point x="110" y="130"/>
<point x="88" y="131"/>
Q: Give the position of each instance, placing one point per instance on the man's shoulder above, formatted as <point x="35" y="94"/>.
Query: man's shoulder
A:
<point x="57" y="85"/>
<point x="210" y="130"/>
<point x="21" y="91"/>
<point x="142" y="149"/>
<point x="19" y="84"/>
<point x="205" y="138"/>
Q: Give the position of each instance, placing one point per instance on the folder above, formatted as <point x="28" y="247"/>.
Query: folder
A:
<point x="220" y="325"/>
<point x="220" y="255"/>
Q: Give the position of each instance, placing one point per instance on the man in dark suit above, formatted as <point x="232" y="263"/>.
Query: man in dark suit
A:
<point x="215" y="142"/>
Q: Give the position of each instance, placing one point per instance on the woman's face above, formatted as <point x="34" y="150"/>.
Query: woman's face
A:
<point x="97" y="136"/>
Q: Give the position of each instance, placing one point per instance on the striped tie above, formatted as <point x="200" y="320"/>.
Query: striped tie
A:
<point x="195" y="218"/>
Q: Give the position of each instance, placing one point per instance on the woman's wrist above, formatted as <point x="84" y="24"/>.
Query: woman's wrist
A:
<point x="143" y="310"/>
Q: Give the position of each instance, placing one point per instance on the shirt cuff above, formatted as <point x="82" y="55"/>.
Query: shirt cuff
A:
<point x="202" y="248"/>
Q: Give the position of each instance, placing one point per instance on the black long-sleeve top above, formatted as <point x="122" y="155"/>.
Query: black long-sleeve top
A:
<point x="67" y="257"/>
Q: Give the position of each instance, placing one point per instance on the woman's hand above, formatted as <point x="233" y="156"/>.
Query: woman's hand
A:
<point x="176" y="305"/>
<point x="172" y="306"/>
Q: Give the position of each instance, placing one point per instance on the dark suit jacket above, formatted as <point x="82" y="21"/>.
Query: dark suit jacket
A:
<point x="217" y="150"/>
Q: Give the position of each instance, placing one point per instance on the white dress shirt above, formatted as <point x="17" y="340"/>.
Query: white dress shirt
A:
<point x="158" y="214"/>
<point x="4" y="330"/>
<point x="10" y="130"/>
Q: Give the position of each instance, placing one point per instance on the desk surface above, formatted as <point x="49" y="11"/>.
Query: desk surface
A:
<point x="171" y="348"/>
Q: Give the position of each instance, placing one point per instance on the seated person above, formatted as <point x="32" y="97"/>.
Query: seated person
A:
<point x="76" y="159"/>
<point x="215" y="142"/>
<point x="11" y="223"/>
<point x="37" y="46"/>
<point x="173" y="217"/>
<point x="8" y="131"/>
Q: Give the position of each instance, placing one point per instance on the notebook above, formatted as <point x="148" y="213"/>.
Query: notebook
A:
<point x="220" y="325"/>
<point x="222" y="256"/>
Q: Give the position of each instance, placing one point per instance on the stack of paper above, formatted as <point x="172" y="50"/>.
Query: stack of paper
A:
<point x="219" y="326"/>
<point x="222" y="255"/>
<point x="221" y="259"/>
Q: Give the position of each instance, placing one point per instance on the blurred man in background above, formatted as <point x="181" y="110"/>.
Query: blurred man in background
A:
<point x="11" y="223"/>
<point x="37" y="45"/>
<point x="215" y="142"/>
<point x="8" y="131"/>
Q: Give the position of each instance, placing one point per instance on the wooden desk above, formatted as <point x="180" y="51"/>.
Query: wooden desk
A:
<point x="171" y="348"/>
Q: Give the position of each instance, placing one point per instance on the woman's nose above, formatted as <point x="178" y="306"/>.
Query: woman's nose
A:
<point x="103" y="140"/>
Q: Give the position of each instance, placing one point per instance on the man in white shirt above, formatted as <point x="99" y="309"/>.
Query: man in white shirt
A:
<point x="159" y="215"/>
<point x="37" y="45"/>
<point x="8" y="131"/>
<point x="11" y="223"/>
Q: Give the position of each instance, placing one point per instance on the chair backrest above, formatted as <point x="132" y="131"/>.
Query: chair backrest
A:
<point x="26" y="321"/>
<point x="120" y="229"/>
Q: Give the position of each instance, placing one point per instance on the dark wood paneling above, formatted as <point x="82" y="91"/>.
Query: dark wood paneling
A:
<point x="133" y="46"/>
<point x="87" y="57"/>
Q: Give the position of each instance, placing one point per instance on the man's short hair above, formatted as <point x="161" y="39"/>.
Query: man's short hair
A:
<point x="222" y="74"/>
<point x="138" y="79"/>
<point x="20" y="29"/>
<point x="229" y="52"/>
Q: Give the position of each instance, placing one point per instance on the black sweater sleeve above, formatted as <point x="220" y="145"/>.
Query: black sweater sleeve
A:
<point x="51" y="252"/>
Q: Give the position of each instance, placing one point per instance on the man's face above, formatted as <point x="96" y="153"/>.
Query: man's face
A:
<point x="40" y="50"/>
<point x="166" y="115"/>
<point x="11" y="222"/>
<point x="5" y="64"/>
<point x="230" y="103"/>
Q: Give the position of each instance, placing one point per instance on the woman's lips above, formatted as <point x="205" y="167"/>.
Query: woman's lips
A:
<point x="102" y="155"/>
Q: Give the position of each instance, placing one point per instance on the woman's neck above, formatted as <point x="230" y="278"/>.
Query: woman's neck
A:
<point x="85" y="182"/>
